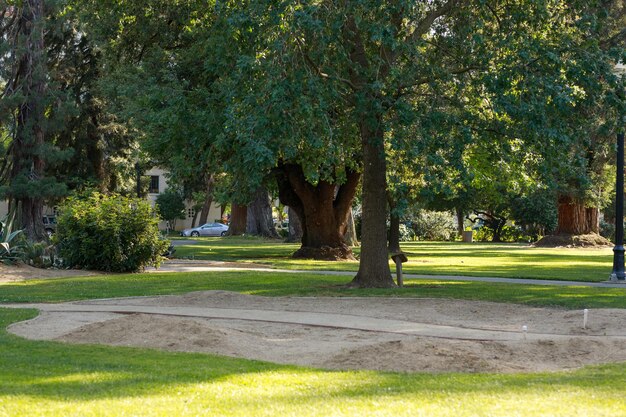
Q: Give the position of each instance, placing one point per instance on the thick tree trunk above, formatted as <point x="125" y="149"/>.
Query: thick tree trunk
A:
<point x="323" y="211"/>
<point x="394" y="231"/>
<point x="295" y="227"/>
<point x="31" y="215"/>
<point x="208" y="200"/>
<point x="195" y="219"/>
<point x="593" y="219"/>
<point x="238" y="220"/>
<point x="497" y="232"/>
<point x="576" y="219"/>
<point x="460" y="221"/>
<point x="374" y="265"/>
<point x="259" y="222"/>
<point x="25" y="151"/>
<point x="350" y="236"/>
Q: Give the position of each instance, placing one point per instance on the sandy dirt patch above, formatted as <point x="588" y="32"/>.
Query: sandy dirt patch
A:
<point x="22" y="272"/>
<point x="559" y="341"/>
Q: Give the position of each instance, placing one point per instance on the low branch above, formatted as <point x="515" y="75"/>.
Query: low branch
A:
<point x="425" y="24"/>
<point x="309" y="61"/>
<point x="347" y="191"/>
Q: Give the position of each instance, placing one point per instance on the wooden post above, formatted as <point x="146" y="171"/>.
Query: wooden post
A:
<point x="399" y="258"/>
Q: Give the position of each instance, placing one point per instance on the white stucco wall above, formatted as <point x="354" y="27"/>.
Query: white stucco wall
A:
<point x="214" y="212"/>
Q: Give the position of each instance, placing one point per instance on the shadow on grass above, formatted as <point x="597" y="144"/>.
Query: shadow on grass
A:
<point x="439" y="258"/>
<point x="302" y="284"/>
<point x="76" y="373"/>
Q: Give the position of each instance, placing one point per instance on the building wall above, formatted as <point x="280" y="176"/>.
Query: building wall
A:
<point x="214" y="212"/>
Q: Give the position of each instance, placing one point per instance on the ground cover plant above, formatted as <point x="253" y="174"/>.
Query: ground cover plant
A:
<point x="428" y="258"/>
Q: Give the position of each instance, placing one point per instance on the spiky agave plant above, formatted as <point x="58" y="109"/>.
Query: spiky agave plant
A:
<point x="11" y="248"/>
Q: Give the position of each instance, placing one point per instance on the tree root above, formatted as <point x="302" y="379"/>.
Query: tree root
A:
<point x="325" y="253"/>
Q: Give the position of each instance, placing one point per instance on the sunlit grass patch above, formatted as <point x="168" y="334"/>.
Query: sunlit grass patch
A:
<point x="302" y="284"/>
<point x="427" y="258"/>
<point x="54" y="379"/>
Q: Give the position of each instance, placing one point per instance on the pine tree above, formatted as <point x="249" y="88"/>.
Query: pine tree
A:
<point x="23" y="105"/>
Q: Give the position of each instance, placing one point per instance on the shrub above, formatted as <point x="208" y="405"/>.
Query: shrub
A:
<point x="483" y="234"/>
<point x="170" y="206"/>
<point x="434" y="225"/>
<point x="537" y="212"/>
<point x="40" y="255"/>
<point x="508" y="234"/>
<point x="108" y="233"/>
<point x="607" y="230"/>
<point x="406" y="233"/>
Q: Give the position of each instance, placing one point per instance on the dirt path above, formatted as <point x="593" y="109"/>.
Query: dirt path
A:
<point x="427" y="335"/>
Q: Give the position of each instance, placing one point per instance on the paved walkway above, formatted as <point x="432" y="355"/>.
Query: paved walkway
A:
<point x="206" y="266"/>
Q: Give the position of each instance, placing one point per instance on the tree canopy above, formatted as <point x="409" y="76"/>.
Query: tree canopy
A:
<point x="460" y="104"/>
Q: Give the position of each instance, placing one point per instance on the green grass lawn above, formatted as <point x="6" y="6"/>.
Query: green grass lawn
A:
<point x="301" y="284"/>
<point x="428" y="258"/>
<point x="54" y="379"/>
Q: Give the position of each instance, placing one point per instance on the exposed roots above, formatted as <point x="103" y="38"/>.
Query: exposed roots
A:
<point x="573" y="241"/>
<point x="359" y="282"/>
<point x="325" y="253"/>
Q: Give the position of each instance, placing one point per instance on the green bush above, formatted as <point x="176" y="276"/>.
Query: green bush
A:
<point x="508" y="234"/>
<point x="434" y="225"/>
<point x="406" y="233"/>
<point x="108" y="233"/>
<point x="171" y="206"/>
<point x="40" y="255"/>
<point x="483" y="234"/>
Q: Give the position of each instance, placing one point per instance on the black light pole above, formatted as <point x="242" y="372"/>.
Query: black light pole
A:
<point x="618" y="251"/>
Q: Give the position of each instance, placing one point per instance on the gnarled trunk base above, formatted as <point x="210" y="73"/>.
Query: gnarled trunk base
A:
<point x="575" y="218"/>
<point x="238" y="220"/>
<point x="573" y="241"/>
<point x="323" y="211"/>
<point x="325" y="253"/>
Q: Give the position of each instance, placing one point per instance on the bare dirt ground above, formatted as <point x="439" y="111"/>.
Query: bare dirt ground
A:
<point x="558" y="339"/>
<point x="22" y="272"/>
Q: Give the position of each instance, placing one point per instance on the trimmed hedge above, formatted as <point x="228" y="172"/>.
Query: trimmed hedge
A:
<point x="108" y="233"/>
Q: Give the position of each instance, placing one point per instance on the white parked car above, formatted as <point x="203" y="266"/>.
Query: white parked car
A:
<point x="209" y="229"/>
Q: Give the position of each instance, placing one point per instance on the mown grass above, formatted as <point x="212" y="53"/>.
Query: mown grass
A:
<point x="301" y="284"/>
<point x="427" y="258"/>
<point x="54" y="379"/>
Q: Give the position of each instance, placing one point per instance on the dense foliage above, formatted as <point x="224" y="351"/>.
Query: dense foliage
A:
<point x="109" y="233"/>
<point x="471" y="107"/>
<point x="170" y="206"/>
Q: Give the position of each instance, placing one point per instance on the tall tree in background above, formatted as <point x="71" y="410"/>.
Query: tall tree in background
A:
<point x="97" y="147"/>
<point x="583" y="189"/>
<point x="259" y="218"/>
<point x="23" y="121"/>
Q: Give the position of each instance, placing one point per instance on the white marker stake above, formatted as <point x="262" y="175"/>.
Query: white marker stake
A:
<point x="585" y="317"/>
<point x="525" y="330"/>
